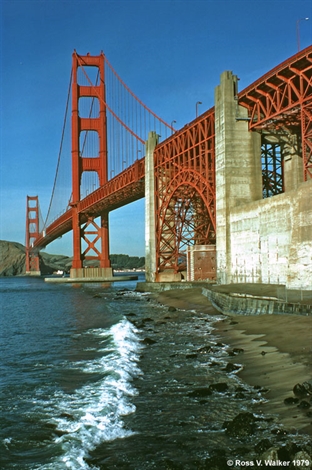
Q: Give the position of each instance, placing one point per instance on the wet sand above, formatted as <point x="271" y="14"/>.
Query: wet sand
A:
<point x="277" y="352"/>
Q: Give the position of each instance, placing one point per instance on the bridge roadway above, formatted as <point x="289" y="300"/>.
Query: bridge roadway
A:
<point x="124" y="188"/>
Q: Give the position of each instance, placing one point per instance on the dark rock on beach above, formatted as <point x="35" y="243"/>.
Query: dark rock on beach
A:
<point x="219" y="387"/>
<point x="291" y="401"/>
<point x="200" y="392"/>
<point x="231" y="367"/>
<point x="148" y="341"/>
<point x="262" y="446"/>
<point x="244" y="424"/>
<point x="304" y="405"/>
<point x="303" y="390"/>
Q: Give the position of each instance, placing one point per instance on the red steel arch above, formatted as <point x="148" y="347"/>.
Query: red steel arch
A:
<point x="185" y="191"/>
<point x="281" y="99"/>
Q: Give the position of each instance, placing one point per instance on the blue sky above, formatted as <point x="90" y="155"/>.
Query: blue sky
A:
<point x="169" y="52"/>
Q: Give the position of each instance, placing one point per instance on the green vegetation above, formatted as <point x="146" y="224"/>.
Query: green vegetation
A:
<point x="127" y="262"/>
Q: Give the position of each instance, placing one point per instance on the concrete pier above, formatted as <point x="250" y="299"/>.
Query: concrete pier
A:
<point x="150" y="236"/>
<point x="68" y="280"/>
<point x="238" y="167"/>
<point x="93" y="273"/>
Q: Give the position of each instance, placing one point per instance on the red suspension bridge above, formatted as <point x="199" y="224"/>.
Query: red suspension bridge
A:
<point x="105" y="155"/>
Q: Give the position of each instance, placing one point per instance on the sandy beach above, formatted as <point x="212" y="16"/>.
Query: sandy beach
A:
<point x="277" y="352"/>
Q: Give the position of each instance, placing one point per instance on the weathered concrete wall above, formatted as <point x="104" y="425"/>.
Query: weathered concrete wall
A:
<point x="258" y="240"/>
<point x="150" y="236"/>
<point x="238" y="167"/>
<point x="271" y="240"/>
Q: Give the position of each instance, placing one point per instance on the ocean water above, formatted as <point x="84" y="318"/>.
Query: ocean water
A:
<point x="68" y="357"/>
<point x="99" y="376"/>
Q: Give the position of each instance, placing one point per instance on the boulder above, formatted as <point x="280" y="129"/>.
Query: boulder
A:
<point x="291" y="401"/>
<point x="304" y="405"/>
<point x="303" y="390"/>
<point x="200" y="392"/>
<point x="270" y="454"/>
<point x="149" y="341"/>
<point x="262" y="446"/>
<point x="243" y="425"/>
<point x="231" y="367"/>
<point x="218" y="387"/>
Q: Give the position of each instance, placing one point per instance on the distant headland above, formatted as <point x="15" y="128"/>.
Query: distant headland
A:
<point x="12" y="261"/>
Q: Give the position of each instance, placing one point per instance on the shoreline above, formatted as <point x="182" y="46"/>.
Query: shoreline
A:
<point x="277" y="352"/>
<point x="193" y="407"/>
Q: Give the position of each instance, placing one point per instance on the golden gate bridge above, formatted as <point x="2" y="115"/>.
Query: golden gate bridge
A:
<point x="101" y="163"/>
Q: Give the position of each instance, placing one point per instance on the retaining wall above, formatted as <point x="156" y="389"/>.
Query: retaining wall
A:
<point x="228" y="304"/>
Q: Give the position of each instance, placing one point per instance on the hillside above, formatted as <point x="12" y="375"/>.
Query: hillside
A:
<point x="12" y="260"/>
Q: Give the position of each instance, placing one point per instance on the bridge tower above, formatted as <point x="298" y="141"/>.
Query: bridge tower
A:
<point x="96" y="237"/>
<point x="32" y="233"/>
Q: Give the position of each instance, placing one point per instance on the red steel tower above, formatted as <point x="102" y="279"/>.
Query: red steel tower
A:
<point x="96" y="237"/>
<point x="32" y="233"/>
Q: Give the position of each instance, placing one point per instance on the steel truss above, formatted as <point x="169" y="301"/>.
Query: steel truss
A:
<point x="91" y="235"/>
<point x="283" y="98"/>
<point x="272" y="169"/>
<point x="185" y="192"/>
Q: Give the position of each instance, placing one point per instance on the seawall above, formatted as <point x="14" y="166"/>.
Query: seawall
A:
<point x="244" y="299"/>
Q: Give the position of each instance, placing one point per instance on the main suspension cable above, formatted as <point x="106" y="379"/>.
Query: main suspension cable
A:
<point x="60" y="150"/>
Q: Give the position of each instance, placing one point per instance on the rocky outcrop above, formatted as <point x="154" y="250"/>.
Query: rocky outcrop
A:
<point x="12" y="260"/>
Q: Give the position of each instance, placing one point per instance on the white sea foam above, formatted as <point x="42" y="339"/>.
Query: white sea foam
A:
<point x="93" y="413"/>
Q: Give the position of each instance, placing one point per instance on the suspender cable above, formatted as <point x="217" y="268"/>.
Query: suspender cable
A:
<point x="109" y="109"/>
<point x="141" y="103"/>
<point x="60" y="150"/>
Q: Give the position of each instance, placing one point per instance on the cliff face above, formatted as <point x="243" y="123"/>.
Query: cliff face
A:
<point x="12" y="260"/>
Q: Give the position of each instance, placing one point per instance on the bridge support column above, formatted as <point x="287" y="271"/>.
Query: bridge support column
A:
<point x="293" y="171"/>
<point x="97" y="248"/>
<point x="95" y="237"/>
<point x="104" y="233"/>
<point x="77" y="260"/>
<point x="32" y="233"/>
<point x="150" y="210"/>
<point x="238" y="167"/>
